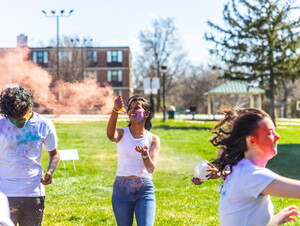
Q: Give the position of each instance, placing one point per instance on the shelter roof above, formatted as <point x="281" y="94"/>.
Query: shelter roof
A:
<point x="235" y="87"/>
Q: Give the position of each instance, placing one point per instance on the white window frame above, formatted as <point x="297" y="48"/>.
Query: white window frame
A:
<point x="119" y="56"/>
<point x="119" y="75"/>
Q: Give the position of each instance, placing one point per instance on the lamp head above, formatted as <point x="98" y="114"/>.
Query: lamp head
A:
<point x="163" y="68"/>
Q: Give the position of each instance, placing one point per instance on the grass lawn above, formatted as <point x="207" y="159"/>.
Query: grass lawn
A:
<point x="83" y="197"/>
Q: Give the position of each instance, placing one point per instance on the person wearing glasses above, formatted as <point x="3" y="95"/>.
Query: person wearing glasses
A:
<point x="138" y="151"/>
<point x="22" y="135"/>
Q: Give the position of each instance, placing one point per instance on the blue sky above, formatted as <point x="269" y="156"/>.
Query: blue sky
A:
<point x="109" y="22"/>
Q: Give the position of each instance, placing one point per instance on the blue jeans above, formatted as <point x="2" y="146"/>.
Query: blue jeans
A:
<point x="133" y="196"/>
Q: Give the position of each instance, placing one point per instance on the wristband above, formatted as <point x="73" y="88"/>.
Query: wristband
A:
<point x="116" y="111"/>
<point x="145" y="156"/>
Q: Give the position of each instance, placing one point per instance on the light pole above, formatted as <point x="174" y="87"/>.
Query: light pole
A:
<point x="57" y="14"/>
<point x="151" y="97"/>
<point x="164" y="70"/>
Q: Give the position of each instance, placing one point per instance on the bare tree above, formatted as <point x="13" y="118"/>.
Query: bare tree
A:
<point x="189" y="90"/>
<point x="160" y="47"/>
<point x="72" y="58"/>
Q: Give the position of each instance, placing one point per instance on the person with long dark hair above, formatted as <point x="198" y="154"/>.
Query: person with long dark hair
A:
<point x="138" y="151"/>
<point x="245" y="196"/>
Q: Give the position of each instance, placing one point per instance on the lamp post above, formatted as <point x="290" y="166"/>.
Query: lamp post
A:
<point x="82" y="43"/>
<point x="151" y="97"/>
<point x="164" y="70"/>
<point x="57" y="15"/>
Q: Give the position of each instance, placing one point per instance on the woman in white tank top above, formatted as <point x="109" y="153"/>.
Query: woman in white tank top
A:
<point x="138" y="151"/>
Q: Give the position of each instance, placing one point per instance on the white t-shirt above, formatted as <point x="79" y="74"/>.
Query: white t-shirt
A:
<point x="241" y="202"/>
<point x="20" y="153"/>
<point x="130" y="162"/>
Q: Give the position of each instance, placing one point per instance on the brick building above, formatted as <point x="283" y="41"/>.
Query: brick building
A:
<point x="106" y="64"/>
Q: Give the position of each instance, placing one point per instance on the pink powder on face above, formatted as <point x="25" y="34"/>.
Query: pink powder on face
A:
<point x="139" y="115"/>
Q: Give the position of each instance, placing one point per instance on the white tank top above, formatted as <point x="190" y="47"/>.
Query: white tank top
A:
<point x="130" y="162"/>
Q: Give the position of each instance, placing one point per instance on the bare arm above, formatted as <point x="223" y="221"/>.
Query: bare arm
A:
<point x="111" y="131"/>
<point x="283" y="187"/>
<point x="150" y="162"/>
<point x="54" y="159"/>
<point x="288" y="214"/>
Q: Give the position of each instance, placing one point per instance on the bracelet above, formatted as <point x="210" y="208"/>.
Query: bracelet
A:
<point x="116" y="110"/>
<point x="145" y="156"/>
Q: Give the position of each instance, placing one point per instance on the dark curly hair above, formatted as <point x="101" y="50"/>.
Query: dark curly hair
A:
<point x="233" y="142"/>
<point x="146" y="106"/>
<point x="15" y="102"/>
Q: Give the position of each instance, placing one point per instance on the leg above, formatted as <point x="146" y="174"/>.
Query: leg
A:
<point x="122" y="202"/>
<point x="31" y="211"/>
<point x="145" y="204"/>
<point x="14" y="206"/>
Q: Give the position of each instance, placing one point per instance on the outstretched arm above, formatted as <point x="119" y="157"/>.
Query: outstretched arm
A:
<point x="150" y="157"/>
<point x="283" y="187"/>
<point x="53" y="163"/>
<point x="287" y="214"/>
<point x="111" y="131"/>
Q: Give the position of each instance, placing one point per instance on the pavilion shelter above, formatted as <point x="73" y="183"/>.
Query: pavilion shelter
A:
<point x="234" y="87"/>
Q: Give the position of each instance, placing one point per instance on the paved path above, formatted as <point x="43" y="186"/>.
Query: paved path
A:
<point x="123" y="117"/>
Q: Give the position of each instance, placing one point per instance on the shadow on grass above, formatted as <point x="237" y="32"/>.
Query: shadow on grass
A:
<point x="287" y="161"/>
<point x="167" y="127"/>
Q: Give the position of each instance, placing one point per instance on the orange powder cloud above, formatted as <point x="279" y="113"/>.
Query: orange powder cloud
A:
<point x="64" y="98"/>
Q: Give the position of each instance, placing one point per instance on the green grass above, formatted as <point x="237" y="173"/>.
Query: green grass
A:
<point x="83" y="197"/>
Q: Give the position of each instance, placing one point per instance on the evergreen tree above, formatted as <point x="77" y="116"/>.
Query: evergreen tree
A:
<point x="259" y="44"/>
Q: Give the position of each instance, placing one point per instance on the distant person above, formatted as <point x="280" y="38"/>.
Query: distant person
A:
<point x="4" y="211"/>
<point x="138" y="151"/>
<point x="22" y="135"/>
<point x="245" y="196"/>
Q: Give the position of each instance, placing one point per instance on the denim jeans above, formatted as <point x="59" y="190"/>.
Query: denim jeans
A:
<point x="133" y="196"/>
<point x="27" y="211"/>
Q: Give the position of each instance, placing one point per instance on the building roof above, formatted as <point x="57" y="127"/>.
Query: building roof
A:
<point x="235" y="87"/>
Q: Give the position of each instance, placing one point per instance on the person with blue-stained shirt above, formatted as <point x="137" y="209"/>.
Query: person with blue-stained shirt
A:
<point x="23" y="133"/>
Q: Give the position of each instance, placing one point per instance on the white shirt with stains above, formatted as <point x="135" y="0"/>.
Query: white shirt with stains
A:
<point x="241" y="201"/>
<point x="20" y="154"/>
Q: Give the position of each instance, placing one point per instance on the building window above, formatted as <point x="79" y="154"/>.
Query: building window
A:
<point x="114" y="76"/>
<point x="90" y="74"/>
<point x="91" y="57"/>
<point x="114" y="56"/>
<point x="40" y="57"/>
<point x="65" y="56"/>
<point x="118" y="92"/>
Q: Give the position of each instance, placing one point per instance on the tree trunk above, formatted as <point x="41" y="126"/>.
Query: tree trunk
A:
<point x="158" y="101"/>
<point x="272" y="99"/>
<point x="285" y="98"/>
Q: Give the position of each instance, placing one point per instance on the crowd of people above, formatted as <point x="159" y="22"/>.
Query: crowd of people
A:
<point x="246" y="138"/>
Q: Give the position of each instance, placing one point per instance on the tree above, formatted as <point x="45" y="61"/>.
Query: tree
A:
<point x="259" y="44"/>
<point x="189" y="90"/>
<point x="72" y="58"/>
<point x="160" y="47"/>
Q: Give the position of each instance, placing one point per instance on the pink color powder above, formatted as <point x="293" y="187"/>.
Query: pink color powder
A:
<point x="139" y="115"/>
